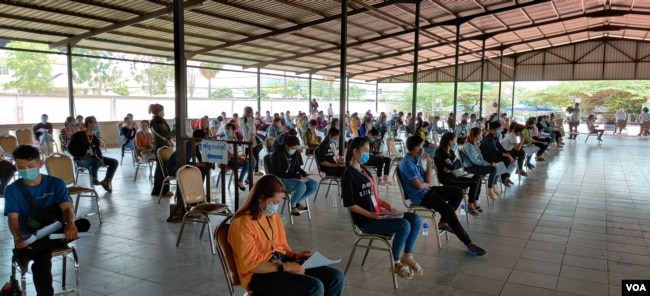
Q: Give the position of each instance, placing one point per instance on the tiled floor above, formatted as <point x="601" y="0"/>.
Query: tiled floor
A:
<point x="577" y="225"/>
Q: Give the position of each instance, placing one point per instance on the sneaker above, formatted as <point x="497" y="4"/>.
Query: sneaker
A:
<point x="295" y="211"/>
<point x="301" y="207"/>
<point x="477" y="251"/>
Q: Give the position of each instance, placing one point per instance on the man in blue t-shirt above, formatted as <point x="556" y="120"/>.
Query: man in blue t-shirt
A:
<point x="46" y="192"/>
<point x="442" y="199"/>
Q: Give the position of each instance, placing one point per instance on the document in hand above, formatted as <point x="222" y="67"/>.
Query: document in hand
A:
<point x="317" y="260"/>
<point x="395" y="214"/>
<point x="43" y="232"/>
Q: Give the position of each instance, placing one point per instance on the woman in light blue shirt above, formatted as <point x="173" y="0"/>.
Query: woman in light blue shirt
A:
<point x="474" y="163"/>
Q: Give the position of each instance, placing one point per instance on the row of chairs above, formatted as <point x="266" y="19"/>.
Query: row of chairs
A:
<point x="23" y="137"/>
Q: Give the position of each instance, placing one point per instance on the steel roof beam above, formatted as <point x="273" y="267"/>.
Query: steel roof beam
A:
<point x="294" y="28"/>
<point x="115" y="26"/>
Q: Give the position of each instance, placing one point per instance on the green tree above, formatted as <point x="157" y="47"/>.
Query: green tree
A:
<point x="252" y="93"/>
<point x="121" y="90"/>
<point x="356" y="92"/>
<point x="222" y="93"/>
<point x="153" y="78"/>
<point x="31" y="71"/>
<point x="209" y="71"/>
<point x="98" y="74"/>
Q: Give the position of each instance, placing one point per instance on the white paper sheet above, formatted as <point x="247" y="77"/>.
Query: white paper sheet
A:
<point x="43" y="232"/>
<point x="395" y="214"/>
<point x="62" y="235"/>
<point x="318" y="260"/>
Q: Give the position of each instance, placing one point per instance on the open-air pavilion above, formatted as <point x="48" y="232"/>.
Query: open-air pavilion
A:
<point x="576" y="226"/>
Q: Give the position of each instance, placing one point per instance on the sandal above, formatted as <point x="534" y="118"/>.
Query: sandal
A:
<point x="404" y="272"/>
<point x="473" y="212"/>
<point x="415" y="267"/>
<point x="479" y="209"/>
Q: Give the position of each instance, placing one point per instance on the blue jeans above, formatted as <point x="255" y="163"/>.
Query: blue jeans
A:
<point x="46" y="140"/>
<point x="244" y="168"/>
<point x="93" y="164"/>
<point x="128" y="145"/>
<point x="325" y="280"/>
<point x="406" y="231"/>
<point x="299" y="190"/>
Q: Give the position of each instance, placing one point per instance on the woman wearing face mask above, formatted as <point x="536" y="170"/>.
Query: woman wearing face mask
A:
<point x="360" y="197"/>
<point x="474" y="163"/>
<point x="249" y="133"/>
<point x="230" y="134"/>
<point x="265" y="262"/>
<point x="492" y="150"/>
<point x="162" y="136"/>
<point x="286" y="165"/>
<point x="422" y="130"/>
<point x="446" y="162"/>
<point x="330" y="163"/>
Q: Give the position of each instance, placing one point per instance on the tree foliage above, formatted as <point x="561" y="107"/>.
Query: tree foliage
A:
<point x="31" y="71"/>
<point x="99" y="75"/>
<point x="153" y="78"/>
<point x="209" y="71"/>
<point x="222" y="93"/>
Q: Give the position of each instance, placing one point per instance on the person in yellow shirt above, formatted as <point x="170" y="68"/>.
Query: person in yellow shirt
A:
<point x="354" y="124"/>
<point x="310" y="138"/>
<point x="265" y="263"/>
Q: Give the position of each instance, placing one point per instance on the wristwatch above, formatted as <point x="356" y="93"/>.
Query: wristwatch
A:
<point x="281" y="267"/>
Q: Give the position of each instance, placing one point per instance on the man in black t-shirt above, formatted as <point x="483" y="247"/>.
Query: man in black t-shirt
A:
<point x="379" y="161"/>
<point x="328" y="162"/>
<point x="43" y="133"/>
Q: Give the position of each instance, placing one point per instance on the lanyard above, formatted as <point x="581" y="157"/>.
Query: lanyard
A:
<point x="90" y="139"/>
<point x="373" y="194"/>
<point x="265" y="234"/>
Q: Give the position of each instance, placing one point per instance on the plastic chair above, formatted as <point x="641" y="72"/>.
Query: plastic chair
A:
<point x="163" y="154"/>
<point x="65" y="252"/>
<point x="61" y="166"/>
<point x="416" y="208"/>
<point x="190" y="184"/>
<point x="371" y="237"/>
<point x="325" y="179"/>
<point x="8" y="144"/>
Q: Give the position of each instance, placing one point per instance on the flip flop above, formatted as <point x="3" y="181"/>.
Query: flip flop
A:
<point x="446" y="228"/>
<point x="477" y="251"/>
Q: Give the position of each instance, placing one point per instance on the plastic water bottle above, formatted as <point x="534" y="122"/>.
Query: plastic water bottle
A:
<point x="462" y="210"/>
<point x="425" y="227"/>
<point x="335" y="202"/>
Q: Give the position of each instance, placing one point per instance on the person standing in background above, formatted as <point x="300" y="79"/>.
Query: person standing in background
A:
<point x="619" y="116"/>
<point x="330" y="112"/>
<point x="574" y="121"/>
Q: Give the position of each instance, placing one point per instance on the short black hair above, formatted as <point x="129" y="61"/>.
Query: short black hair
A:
<point x="198" y="134"/>
<point x="290" y="141"/>
<point x="313" y="122"/>
<point x="412" y="142"/>
<point x="89" y="119"/>
<point x="373" y="132"/>
<point x="26" y="152"/>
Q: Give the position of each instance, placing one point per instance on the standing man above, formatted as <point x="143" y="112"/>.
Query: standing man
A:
<point x="330" y="113"/>
<point x="574" y="122"/>
<point x="43" y="133"/>
<point x="32" y="202"/>
<point x="314" y="106"/>
<point x="85" y="149"/>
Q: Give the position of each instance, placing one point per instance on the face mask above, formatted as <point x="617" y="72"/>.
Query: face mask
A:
<point x="499" y="133"/>
<point x="43" y="120"/>
<point x="365" y="156"/>
<point x="227" y="133"/>
<point x="419" y="155"/>
<point x="292" y="151"/>
<point x="372" y="140"/>
<point x="333" y="141"/>
<point x="96" y="128"/>
<point x="28" y="174"/>
<point x="453" y="147"/>
<point x="271" y="209"/>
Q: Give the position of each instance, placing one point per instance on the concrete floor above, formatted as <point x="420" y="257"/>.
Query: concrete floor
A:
<point x="577" y="225"/>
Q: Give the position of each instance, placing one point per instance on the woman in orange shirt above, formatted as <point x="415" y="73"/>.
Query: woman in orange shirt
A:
<point x="265" y="262"/>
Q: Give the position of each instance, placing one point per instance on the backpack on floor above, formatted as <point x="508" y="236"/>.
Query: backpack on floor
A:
<point x="11" y="288"/>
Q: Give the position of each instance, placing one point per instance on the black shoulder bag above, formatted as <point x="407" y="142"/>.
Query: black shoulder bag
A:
<point x="40" y="217"/>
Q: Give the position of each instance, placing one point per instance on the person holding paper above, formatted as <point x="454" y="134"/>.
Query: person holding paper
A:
<point x="450" y="172"/>
<point x="31" y="203"/>
<point x="330" y="164"/>
<point x="286" y="165"/>
<point x="360" y="197"/>
<point x="265" y="263"/>
<point x="443" y="199"/>
<point x="474" y="163"/>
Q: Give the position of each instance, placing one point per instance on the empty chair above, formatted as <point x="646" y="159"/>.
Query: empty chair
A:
<point x="163" y="154"/>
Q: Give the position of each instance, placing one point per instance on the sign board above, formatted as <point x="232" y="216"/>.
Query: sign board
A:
<point x="215" y="151"/>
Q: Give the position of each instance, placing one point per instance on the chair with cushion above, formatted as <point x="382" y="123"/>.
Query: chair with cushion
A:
<point x="227" y="257"/>
<point x="64" y="252"/>
<point x="163" y="154"/>
<point x="190" y="184"/>
<point x="395" y="158"/>
<point x="416" y="208"/>
<point x="25" y="136"/>
<point x="371" y="237"/>
<point x="325" y="179"/>
<point x="144" y="157"/>
<point x="8" y="144"/>
<point x="61" y="166"/>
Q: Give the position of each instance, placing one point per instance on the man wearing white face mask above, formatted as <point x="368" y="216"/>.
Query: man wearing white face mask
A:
<point x="286" y="165"/>
<point x="32" y="202"/>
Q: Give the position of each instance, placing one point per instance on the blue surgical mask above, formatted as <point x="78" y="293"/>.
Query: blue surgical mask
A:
<point x="292" y="151"/>
<point x="499" y="132"/>
<point x="29" y="174"/>
<point x="271" y="209"/>
<point x="365" y="156"/>
<point x="333" y="142"/>
<point x="43" y="120"/>
<point x="96" y="128"/>
<point x="453" y="147"/>
<point x="371" y="139"/>
<point x="228" y="134"/>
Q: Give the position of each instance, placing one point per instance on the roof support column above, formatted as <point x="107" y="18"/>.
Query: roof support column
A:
<point x="259" y="91"/>
<point x="70" y="82"/>
<point x="514" y="79"/>
<point x="500" y="82"/>
<point x="480" y="96"/>
<point x="309" y="95"/>
<point x="416" y="53"/>
<point x="343" y="69"/>
<point x="180" y="85"/>
<point x="347" y="94"/>
<point x="456" y="69"/>
<point x="377" y="96"/>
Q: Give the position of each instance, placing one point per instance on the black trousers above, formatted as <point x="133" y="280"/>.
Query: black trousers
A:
<point x="445" y="200"/>
<point x="519" y="156"/>
<point x="336" y="172"/>
<point x="158" y="178"/>
<point x="473" y="183"/>
<point x="379" y="162"/>
<point x="41" y="254"/>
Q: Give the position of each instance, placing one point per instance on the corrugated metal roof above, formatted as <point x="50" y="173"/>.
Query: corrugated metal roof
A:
<point x="303" y="36"/>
